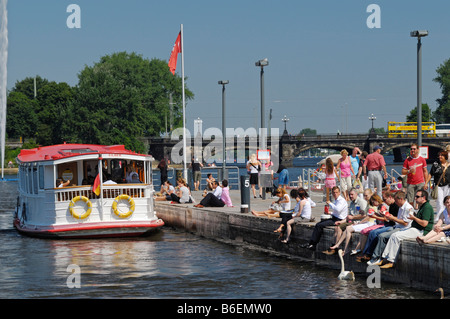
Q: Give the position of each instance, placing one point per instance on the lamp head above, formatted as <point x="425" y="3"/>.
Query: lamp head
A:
<point x="419" y="33"/>
<point x="263" y="62"/>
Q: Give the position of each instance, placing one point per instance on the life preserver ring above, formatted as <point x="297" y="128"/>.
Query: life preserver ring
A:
<point x="86" y="213"/>
<point x="130" y="201"/>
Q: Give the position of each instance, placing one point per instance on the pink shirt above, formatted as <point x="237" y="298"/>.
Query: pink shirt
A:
<point x="226" y="197"/>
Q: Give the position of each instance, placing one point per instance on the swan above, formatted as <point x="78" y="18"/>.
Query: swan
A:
<point x="344" y="275"/>
<point x="441" y="291"/>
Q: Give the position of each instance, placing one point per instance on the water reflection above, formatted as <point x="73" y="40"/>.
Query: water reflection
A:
<point x="169" y="264"/>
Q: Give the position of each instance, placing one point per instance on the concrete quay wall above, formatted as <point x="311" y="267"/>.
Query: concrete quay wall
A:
<point x="424" y="267"/>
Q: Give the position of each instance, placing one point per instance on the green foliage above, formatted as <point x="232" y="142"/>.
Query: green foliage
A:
<point x="117" y="100"/>
<point x="426" y="114"/>
<point x="442" y="113"/>
<point x="123" y="97"/>
<point x="308" y="132"/>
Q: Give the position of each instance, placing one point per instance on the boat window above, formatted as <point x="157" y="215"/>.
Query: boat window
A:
<point x="35" y="180"/>
<point x="41" y="177"/>
<point x="30" y="180"/>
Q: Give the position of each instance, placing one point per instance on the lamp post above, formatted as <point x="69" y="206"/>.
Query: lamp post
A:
<point x="262" y="63"/>
<point x="224" y="127"/>
<point x="285" y="120"/>
<point x="372" y="130"/>
<point x="419" y="34"/>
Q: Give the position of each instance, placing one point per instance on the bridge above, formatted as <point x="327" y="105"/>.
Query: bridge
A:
<point x="288" y="147"/>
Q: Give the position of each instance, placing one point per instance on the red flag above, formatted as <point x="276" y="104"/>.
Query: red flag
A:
<point x="174" y="55"/>
<point x="96" y="187"/>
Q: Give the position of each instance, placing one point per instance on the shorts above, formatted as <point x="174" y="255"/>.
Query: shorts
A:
<point x="346" y="183"/>
<point x="283" y="178"/>
<point x="254" y="179"/>
<point x="197" y="176"/>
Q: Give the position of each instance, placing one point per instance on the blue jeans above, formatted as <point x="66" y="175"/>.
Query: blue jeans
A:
<point x="372" y="239"/>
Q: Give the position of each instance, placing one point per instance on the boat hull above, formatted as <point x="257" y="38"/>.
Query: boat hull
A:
<point x="91" y="230"/>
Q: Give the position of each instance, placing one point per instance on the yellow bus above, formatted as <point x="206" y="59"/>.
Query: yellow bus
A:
<point x="409" y="129"/>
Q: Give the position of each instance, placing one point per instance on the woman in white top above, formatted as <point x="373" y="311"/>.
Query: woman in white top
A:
<point x="283" y="203"/>
<point x="302" y="211"/>
<point x="183" y="194"/>
<point x="253" y="167"/>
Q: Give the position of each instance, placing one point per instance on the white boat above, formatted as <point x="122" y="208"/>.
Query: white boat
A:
<point x="120" y="207"/>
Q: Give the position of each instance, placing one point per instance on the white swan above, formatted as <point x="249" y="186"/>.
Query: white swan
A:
<point x="344" y="275"/>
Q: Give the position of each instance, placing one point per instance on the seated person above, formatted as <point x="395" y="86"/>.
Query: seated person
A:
<point x="283" y="201"/>
<point x="212" y="199"/>
<point x="60" y="183"/>
<point x="226" y="194"/>
<point x="166" y="190"/>
<point x="183" y="195"/>
<point x="209" y="180"/>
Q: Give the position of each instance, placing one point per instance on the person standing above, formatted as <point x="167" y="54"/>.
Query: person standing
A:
<point x="441" y="176"/>
<point x="162" y="166"/>
<point x="354" y="159"/>
<point x="415" y="167"/>
<point x="344" y="166"/>
<point x="253" y="167"/>
<point x="196" y="170"/>
<point x="375" y="164"/>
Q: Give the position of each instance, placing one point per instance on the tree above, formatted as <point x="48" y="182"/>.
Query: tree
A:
<point x="21" y="116"/>
<point x="308" y="132"/>
<point x="123" y="97"/>
<point x="442" y="113"/>
<point x="426" y="114"/>
<point x="39" y="117"/>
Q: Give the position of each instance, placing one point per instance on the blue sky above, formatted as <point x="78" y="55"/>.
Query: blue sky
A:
<point x="327" y="70"/>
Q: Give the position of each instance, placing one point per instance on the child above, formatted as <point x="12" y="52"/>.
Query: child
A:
<point x="330" y="179"/>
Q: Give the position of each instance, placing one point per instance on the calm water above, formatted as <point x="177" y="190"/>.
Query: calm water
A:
<point x="169" y="264"/>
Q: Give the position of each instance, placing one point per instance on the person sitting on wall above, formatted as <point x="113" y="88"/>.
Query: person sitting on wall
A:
<point x="212" y="199"/>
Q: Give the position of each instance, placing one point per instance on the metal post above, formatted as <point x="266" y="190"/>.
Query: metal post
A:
<point x="419" y="92"/>
<point x="224" y="128"/>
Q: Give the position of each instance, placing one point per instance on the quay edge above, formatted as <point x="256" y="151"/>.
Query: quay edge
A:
<point x="424" y="267"/>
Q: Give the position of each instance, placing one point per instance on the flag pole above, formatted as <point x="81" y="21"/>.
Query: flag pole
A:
<point x="184" y="105"/>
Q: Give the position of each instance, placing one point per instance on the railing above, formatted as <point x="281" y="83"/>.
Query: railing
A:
<point x="233" y="176"/>
<point x="109" y="191"/>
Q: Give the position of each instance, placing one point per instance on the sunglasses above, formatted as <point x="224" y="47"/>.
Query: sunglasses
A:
<point x="417" y="196"/>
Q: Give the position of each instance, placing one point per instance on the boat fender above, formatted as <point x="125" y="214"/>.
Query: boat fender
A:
<point x="86" y="213"/>
<point x="116" y="202"/>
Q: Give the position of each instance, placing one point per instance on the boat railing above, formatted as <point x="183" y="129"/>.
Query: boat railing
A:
<point x="109" y="191"/>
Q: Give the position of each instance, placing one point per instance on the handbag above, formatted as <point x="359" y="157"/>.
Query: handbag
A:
<point x="434" y="192"/>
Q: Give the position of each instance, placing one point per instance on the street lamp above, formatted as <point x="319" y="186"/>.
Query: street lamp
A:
<point x="372" y="118"/>
<point x="419" y="34"/>
<point x="285" y="120"/>
<point x="262" y="63"/>
<point x="223" y="83"/>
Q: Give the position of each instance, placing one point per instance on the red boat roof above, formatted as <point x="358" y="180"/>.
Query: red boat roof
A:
<point x="54" y="152"/>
